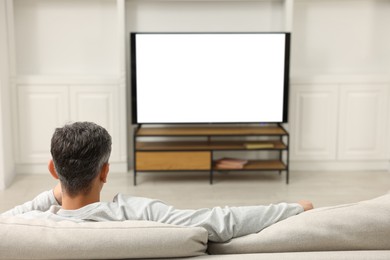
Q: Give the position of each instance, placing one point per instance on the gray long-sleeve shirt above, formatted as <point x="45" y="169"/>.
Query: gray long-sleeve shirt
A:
<point x="222" y="224"/>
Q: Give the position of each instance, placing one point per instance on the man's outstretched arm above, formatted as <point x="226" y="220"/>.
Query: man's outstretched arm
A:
<point x="42" y="202"/>
<point x="226" y="223"/>
<point x="222" y="224"/>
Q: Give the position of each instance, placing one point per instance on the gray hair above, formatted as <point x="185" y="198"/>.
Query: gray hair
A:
<point x="79" y="151"/>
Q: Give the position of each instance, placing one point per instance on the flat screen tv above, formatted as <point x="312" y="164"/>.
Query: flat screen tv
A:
<point x="185" y="78"/>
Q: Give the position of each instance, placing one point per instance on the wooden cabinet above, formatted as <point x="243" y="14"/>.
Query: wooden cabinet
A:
<point x="176" y="154"/>
<point x="182" y="160"/>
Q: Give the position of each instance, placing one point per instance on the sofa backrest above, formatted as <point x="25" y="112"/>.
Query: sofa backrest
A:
<point x="46" y="239"/>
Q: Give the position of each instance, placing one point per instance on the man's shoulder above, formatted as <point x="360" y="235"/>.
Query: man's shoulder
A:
<point x="130" y="199"/>
<point x="38" y="214"/>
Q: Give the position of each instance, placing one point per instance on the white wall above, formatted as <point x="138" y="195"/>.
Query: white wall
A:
<point x="339" y="101"/>
<point x="344" y="37"/>
<point x="69" y="66"/>
<point x="340" y="85"/>
<point x="69" y="60"/>
<point x="204" y="16"/>
<point x="72" y="38"/>
<point x="7" y="166"/>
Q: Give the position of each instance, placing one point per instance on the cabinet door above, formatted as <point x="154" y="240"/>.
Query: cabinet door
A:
<point x="98" y="104"/>
<point x="313" y="122"/>
<point x="167" y="161"/>
<point x="41" y="109"/>
<point x="363" y="122"/>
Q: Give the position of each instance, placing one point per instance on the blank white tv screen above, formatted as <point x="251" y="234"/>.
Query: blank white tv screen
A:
<point x="209" y="77"/>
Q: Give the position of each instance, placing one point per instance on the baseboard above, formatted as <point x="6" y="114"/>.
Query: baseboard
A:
<point x="339" y="166"/>
<point x="115" y="167"/>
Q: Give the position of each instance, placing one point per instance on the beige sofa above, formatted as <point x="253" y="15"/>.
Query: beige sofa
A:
<point x="352" y="231"/>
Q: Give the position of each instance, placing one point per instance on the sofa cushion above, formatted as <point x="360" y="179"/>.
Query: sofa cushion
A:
<point x="358" y="226"/>
<point x="46" y="239"/>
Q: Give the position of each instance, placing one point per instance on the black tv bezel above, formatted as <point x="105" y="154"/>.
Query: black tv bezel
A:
<point x="133" y="68"/>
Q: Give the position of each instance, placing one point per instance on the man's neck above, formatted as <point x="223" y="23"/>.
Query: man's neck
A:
<point x="79" y="201"/>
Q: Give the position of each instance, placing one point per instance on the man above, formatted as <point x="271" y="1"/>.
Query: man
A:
<point x="80" y="154"/>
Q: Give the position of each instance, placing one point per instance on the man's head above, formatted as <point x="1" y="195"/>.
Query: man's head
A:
<point x="80" y="151"/>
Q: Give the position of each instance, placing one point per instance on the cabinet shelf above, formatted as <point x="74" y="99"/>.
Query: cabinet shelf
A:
<point x="212" y="131"/>
<point x="189" y="155"/>
<point x="212" y="145"/>
<point x="257" y="165"/>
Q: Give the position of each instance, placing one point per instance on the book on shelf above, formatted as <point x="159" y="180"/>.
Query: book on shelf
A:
<point x="229" y="166"/>
<point x="230" y="163"/>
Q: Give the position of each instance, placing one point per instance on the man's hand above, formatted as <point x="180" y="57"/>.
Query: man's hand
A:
<point x="58" y="193"/>
<point x="307" y="205"/>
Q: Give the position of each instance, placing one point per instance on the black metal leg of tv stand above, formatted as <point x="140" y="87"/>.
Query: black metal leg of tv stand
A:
<point x="287" y="176"/>
<point x="135" y="153"/>
<point x="288" y="160"/>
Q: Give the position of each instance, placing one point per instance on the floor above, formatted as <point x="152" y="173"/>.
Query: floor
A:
<point x="192" y="190"/>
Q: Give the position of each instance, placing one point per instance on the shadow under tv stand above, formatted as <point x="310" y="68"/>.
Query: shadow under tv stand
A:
<point x="173" y="154"/>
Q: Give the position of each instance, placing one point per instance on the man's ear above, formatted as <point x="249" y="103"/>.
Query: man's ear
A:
<point x="52" y="169"/>
<point x="104" y="172"/>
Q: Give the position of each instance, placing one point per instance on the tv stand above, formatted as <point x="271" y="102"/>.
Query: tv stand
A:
<point x="174" y="154"/>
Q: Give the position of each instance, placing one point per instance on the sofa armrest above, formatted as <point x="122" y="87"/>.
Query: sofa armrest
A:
<point x="359" y="226"/>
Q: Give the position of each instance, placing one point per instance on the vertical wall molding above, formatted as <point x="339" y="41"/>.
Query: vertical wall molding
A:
<point x="123" y="90"/>
<point x="363" y="122"/>
<point x="288" y="15"/>
<point x="314" y="128"/>
<point x="98" y="103"/>
<point x="7" y="166"/>
<point x="44" y="108"/>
